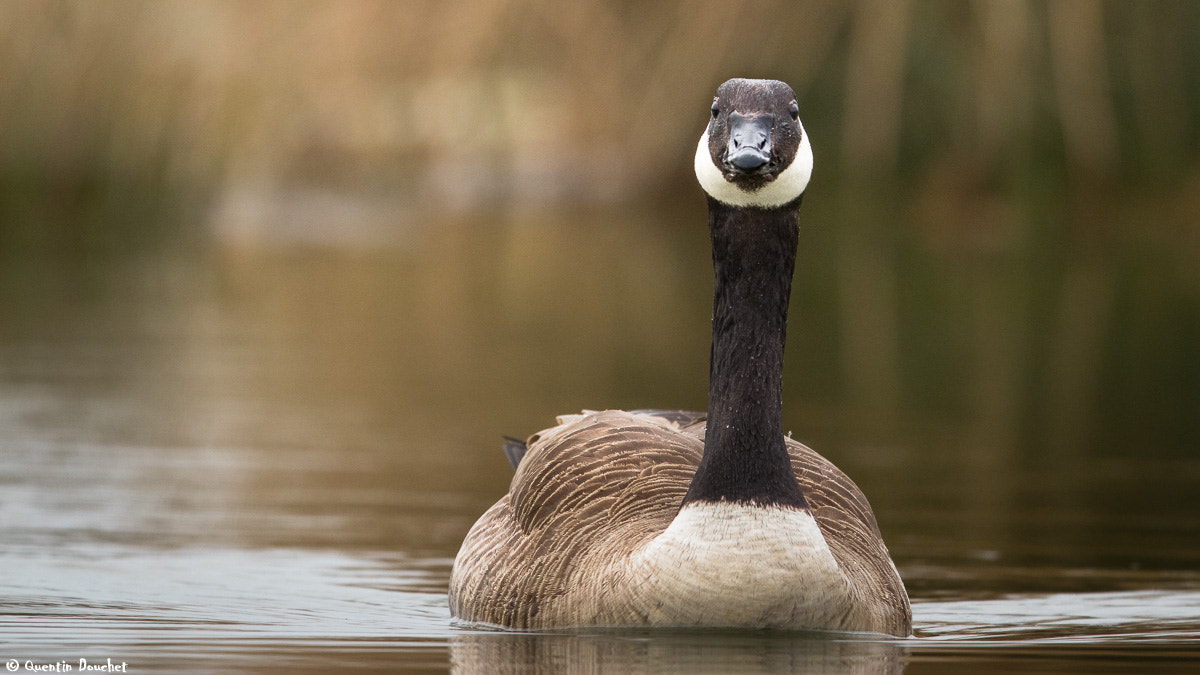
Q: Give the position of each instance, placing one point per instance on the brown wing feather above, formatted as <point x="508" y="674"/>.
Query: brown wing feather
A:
<point x="848" y="523"/>
<point x="584" y="488"/>
<point x="600" y="460"/>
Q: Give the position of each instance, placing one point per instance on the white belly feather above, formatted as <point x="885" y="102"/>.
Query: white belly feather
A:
<point x="736" y="564"/>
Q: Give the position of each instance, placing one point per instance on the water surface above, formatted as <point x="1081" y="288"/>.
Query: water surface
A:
<point x="260" y="461"/>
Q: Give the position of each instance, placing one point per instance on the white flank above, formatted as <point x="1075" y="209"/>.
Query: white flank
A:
<point x="789" y="184"/>
<point x="723" y="564"/>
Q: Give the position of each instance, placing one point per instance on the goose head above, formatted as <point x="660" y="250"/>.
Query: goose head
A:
<point x="755" y="152"/>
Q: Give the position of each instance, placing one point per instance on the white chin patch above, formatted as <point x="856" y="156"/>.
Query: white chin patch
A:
<point x="787" y="186"/>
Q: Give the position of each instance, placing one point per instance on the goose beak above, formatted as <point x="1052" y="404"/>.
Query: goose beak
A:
<point x="749" y="149"/>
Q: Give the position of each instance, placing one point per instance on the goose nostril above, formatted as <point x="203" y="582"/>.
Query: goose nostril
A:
<point x="758" y="140"/>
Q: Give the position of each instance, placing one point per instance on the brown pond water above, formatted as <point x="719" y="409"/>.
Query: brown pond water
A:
<point x="261" y="461"/>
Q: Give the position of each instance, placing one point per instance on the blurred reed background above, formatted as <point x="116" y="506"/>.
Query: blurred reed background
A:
<point x="1001" y="244"/>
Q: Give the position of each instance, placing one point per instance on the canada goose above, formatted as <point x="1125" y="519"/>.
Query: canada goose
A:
<point x="672" y="518"/>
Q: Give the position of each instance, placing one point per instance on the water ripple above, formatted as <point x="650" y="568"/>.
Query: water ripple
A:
<point x="289" y="607"/>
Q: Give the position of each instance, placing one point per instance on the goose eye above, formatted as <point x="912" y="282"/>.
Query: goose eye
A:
<point x="715" y="109"/>
<point x="794" y="110"/>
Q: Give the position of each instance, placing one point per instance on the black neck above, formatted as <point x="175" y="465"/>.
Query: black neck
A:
<point x="745" y="458"/>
